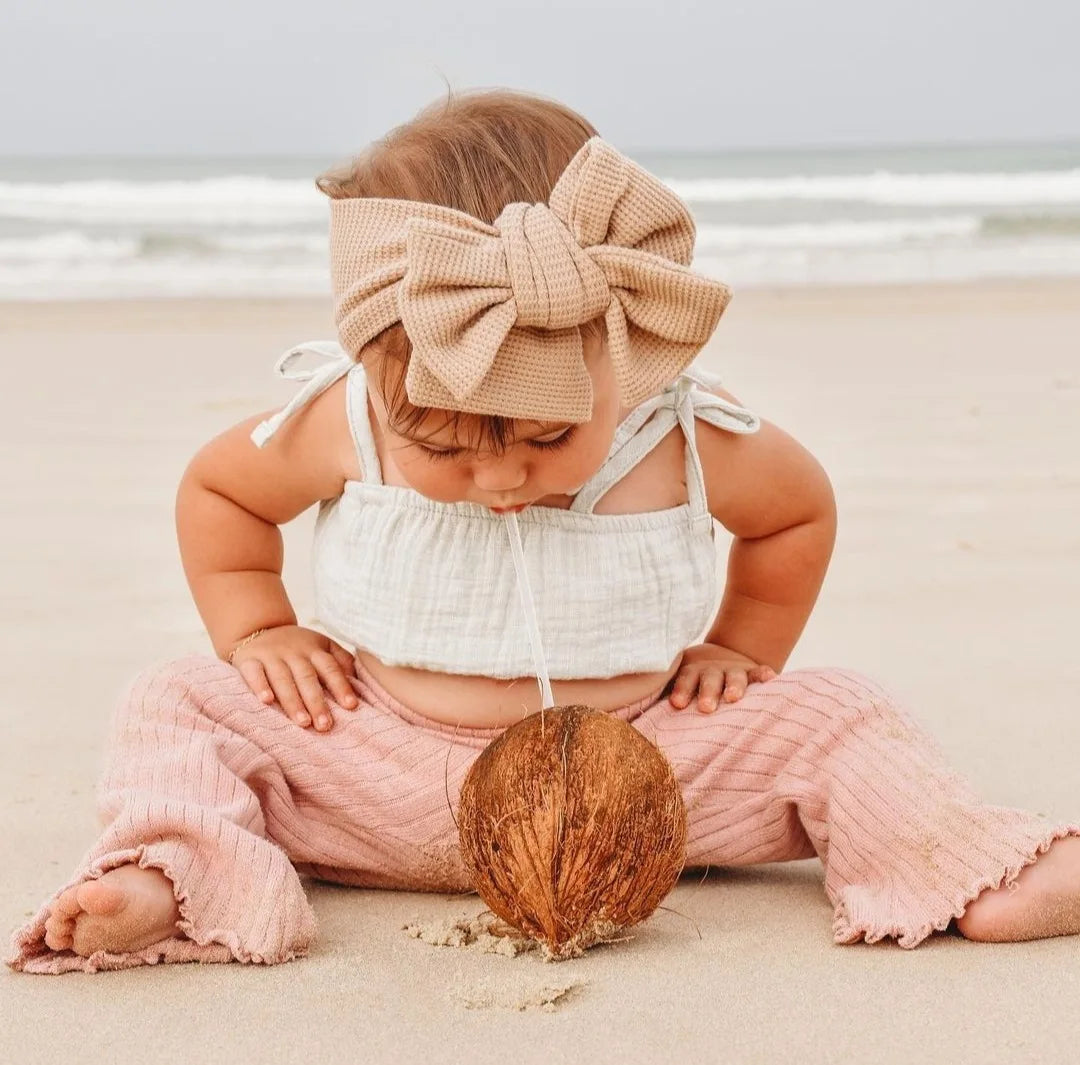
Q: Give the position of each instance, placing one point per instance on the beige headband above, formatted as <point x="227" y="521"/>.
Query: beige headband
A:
<point x="491" y="310"/>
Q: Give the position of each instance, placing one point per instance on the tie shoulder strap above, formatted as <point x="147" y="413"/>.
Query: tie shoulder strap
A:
<point x="642" y="430"/>
<point x="692" y="401"/>
<point x="337" y="364"/>
<point x="715" y="409"/>
<point x="636" y="435"/>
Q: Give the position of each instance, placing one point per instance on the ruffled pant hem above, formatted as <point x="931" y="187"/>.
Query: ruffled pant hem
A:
<point x="865" y="915"/>
<point x="199" y="943"/>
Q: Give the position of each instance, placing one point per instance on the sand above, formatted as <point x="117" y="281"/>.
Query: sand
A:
<point x="949" y="420"/>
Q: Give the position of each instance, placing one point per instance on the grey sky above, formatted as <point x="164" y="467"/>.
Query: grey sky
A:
<point x="326" y="76"/>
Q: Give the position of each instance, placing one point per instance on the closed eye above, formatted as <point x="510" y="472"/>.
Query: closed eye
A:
<point x="449" y="453"/>
<point x="541" y="445"/>
<point x="560" y="441"/>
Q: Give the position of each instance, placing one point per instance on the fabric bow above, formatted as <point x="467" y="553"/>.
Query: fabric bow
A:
<point x="492" y="311"/>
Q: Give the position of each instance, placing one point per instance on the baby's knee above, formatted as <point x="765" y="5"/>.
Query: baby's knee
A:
<point x="190" y="669"/>
<point x="838" y="695"/>
<point x="171" y="681"/>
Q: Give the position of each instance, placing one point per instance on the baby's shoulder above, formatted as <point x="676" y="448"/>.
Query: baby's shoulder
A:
<point x="322" y="427"/>
<point x="317" y="441"/>
<point x="758" y="482"/>
<point x="301" y="463"/>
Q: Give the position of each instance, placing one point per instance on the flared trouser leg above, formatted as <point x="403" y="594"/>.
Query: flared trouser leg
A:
<point x="183" y="791"/>
<point x="825" y="762"/>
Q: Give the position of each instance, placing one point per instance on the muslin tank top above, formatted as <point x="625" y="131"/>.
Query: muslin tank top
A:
<point x="432" y="585"/>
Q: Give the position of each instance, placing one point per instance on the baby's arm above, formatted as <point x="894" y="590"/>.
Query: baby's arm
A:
<point x="776" y="499"/>
<point x="230" y="502"/>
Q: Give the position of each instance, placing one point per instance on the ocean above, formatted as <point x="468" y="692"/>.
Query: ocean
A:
<point x="91" y="228"/>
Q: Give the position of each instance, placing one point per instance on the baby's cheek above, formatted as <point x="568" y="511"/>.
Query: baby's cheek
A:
<point x="585" y="461"/>
<point x="442" y="487"/>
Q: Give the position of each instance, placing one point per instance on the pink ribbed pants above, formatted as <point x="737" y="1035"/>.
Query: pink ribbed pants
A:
<point x="232" y="800"/>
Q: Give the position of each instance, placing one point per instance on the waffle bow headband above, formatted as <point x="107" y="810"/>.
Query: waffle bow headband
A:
<point x="491" y="310"/>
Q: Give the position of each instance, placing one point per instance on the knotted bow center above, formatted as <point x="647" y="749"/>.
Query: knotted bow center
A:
<point x="556" y="283"/>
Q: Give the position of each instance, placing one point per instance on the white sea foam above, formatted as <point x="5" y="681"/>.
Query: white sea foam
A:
<point x="836" y="234"/>
<point x="315" y="243"/>
<point x="69" y="245"/>
<point x="901" y="264"/>
<point x="883" y="187"/>
<point x="235" y="201"/>
<point x="65" y="246"/>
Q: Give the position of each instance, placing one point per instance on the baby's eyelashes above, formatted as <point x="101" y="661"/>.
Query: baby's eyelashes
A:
<point x="544" y="442"/>
<point x="540" y="443"/>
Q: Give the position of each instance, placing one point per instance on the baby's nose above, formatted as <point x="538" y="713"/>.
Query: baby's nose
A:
<point x="503" y="475"/>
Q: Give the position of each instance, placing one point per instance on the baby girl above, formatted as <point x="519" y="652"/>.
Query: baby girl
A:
<point x="517" y="321"/>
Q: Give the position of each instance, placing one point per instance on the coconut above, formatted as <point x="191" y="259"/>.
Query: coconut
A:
<point x="572" y="827"/>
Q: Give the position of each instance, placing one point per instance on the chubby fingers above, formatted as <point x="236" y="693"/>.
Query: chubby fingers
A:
<point x="292" y="682"/>
<point x="686" y="682"/>
<point x="297" y="684"/>
<point x="736" y="681"/>
<point x="707" y="681"/>
<point x="344" y="658"/>
<point x="252" y="671"/>
<point x="761" y="674"/>
<point x="330" y="672"/>
<point x="310" y="674"/>
<point x="297" y="689"/>
<point x="732" y="686"/>
<point x="712" y="683"/>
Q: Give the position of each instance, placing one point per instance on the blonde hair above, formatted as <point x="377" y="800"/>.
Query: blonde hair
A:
<point x="475" y="152"/>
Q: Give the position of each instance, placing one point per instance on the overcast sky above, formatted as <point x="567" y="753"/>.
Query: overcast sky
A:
<point x="327" y="76"/>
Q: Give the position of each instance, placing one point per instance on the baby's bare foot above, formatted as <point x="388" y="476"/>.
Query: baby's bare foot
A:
<point x="1044" y="901"/>
<point x="128" y="908"/>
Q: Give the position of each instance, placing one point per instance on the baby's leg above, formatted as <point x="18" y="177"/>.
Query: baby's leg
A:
<point x="185" y="851"/>
<point x="823" y="761"/>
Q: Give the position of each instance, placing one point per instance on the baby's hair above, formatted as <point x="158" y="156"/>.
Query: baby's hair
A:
<point x="475" y="152"/>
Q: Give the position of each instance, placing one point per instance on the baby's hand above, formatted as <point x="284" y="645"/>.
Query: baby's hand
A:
<point x="288" y="662"/>
<point x="712" y="671"/>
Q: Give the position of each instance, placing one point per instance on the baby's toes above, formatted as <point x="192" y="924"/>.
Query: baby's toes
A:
<point x="59" y="931"/>
<point x="67" y="903"/>
<point x="101" y="898"/>
<point x="60" y="924"/>
<point x="59" y="940"/>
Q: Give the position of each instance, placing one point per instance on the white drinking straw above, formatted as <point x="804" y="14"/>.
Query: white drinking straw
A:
<point x="525" y="591"/>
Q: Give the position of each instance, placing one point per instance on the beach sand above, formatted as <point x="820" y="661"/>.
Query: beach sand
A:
<point x="949" y="420"/>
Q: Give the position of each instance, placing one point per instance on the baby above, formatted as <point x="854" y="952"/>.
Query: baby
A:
<point x="517" y="322"/>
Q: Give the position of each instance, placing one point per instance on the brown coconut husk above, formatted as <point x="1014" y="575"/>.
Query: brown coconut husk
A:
<point x="573" y="827"/>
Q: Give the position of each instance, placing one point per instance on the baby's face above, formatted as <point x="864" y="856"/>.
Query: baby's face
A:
<point x="543" y="459"/>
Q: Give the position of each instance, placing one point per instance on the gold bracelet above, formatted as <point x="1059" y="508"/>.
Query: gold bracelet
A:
<point x="246" y="639"/>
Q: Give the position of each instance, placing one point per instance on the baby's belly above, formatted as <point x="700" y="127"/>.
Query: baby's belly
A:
<point x="481" y="702"/>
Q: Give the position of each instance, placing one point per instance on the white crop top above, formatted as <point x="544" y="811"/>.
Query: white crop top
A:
<point x="432" y="585"/>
